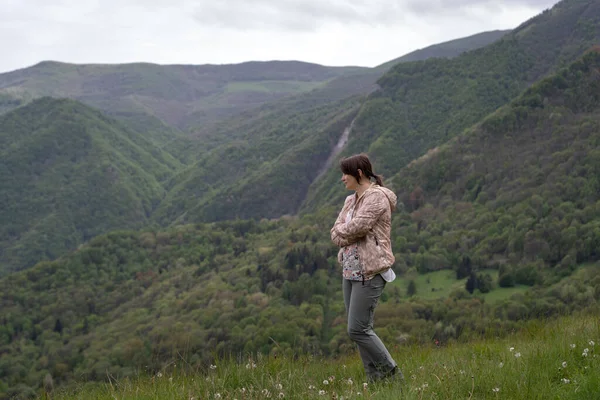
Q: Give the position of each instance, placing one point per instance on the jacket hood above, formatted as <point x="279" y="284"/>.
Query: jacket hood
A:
<point x="391" y="196"/>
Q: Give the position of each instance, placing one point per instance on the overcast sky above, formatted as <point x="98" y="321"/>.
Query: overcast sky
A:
<point x="329" y="32"/>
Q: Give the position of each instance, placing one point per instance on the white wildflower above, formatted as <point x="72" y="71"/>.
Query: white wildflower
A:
<point x="591" y="343"/>
<point x="159" y="375"/>
<point x="501" y="364"/>
<point x="217" y="395"/>
<point x="213" y="366"/>
<point x="321" y="392"/>
<point x="564" y="364"/>
<point x="565" y="380"/>
<point x="511" y="349"/>
<point x="311" y="387"/>
<point x="325" y="382"/>
<point x="573" y="345"/>
<point x="496" y="390"/>
<point x="517" y="355"/>
<point x="281" y="395"/>
<point x="365" y="385"/>
<point x="425" y="385"/>
<point x="350" y="382"/>
<point x="584" y="354"/>
<point x="279" y="386"/>
<point x="586" y="350"/>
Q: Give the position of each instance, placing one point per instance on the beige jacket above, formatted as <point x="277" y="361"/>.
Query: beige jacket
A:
<point x="370" y="227"/>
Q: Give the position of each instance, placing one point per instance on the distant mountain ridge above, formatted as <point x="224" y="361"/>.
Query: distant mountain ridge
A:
<point x="184" y="96"/>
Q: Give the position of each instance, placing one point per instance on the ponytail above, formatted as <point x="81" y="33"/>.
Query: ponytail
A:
<point x="378" y="179"/>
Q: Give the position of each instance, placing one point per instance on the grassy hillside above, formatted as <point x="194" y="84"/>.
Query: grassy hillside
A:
<point x="550" y="360"/>
<point x="183" y="96"/>
<point x="68" y="173"/>
<point x="424" y="104"/>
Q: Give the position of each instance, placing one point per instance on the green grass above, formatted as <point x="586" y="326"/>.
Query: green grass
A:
<point x="537" y="363"/>
<point x="271" y="86"/>
<point x="440" y="284"/>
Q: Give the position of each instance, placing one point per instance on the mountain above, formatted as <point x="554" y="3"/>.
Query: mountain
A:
<point x="449" y="49"/>
<point x="182" y="96"/>
<point x="261" y="162"/>
<point x="69" y="173"/>
<point x="44" y="227"/>
<point x="518" y="192"/>
<point x="507" y="212"/>
<point x="421" y="105"/>
<point x="417" y="106"/>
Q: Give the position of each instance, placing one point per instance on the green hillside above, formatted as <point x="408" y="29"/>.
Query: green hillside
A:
<point x="69" y="173"/>
<point x="263" y="161"/>
<point x="519" y="192"/>
<point x="555" y="359"/>
<point x="424" y="104"/>
<point x="513" y="201"/>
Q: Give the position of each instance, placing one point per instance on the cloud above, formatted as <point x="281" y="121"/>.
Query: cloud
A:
<point x="331" y="32"/>
<point x="310" y="15"/>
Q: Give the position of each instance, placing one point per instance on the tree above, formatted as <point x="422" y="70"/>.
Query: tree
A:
<point x="411" y="289"/>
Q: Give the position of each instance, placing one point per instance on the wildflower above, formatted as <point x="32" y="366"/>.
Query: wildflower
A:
<point x="350" y="382"/>
<point x="159" y="375"/>
<point x="311" y="387"/>
<point x="365" y="385"/>
<point x="591" y="343"/>
<point x="321" y="392"/>
<point x="511" y="349"/>
<point x="413" y="377"/>
<point x="281" y="395"/>
<point x="572" y="345"/>
<point x="325" y="382"/>
<point x="213" y="366"/>
<point x="279" y="386"/>
<point x="565" y="380"/>
<point x="517" y="355"/>
<point x="425" y="385"/>
<point x="586" y="350"/>
<point x="332" y="378"/>
<point x="266" y="393"/>
<point x="217" y="395"/>
<point x="584" y="354"/>
<point x="564" y="364"/>
<point x="496" y="390"/>
<point x="462" y="372"/>
<point x="501" y="364"/>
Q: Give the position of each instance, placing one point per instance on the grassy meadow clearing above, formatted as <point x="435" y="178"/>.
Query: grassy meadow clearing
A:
<point x="555" y="359"/>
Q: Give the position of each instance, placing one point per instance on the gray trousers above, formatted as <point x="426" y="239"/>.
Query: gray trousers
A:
<point x="360" y="300"/>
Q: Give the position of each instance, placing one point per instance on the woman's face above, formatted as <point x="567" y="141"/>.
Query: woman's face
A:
<point x="350" y="182"/>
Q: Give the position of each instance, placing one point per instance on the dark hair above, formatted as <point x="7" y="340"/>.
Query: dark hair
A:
<point x="351" y="165"/>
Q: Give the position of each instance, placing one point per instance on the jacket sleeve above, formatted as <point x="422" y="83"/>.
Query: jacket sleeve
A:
<point x="336" y="238"/>
<point x="365" y="218"/>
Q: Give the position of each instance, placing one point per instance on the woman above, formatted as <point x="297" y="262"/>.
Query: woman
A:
<point x="362" y="231"/>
